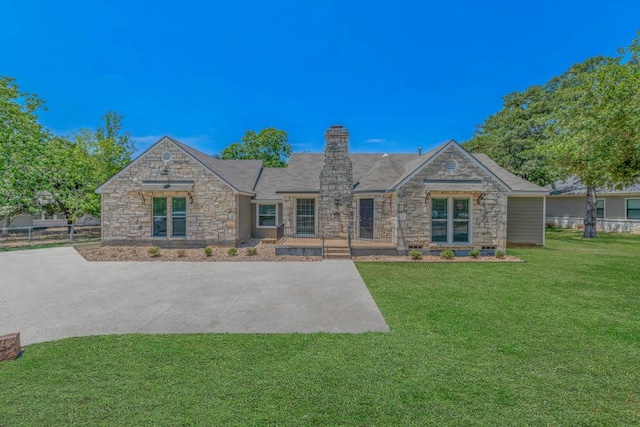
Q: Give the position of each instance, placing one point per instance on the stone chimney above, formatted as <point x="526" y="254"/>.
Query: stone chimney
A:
<point x="336" y="200"/>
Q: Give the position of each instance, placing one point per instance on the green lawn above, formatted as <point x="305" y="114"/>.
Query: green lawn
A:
<point x="553" y="341"/>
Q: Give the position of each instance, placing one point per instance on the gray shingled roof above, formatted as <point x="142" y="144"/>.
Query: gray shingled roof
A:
<point x="240" y="174"/>
<point x="377" y="172"/>
<point x="381" y="170"/>
<point x="371" y="172"/>
<point x="573" y="187"/>
<point x="414" y="164"/>
<point x="271" y="179"/>
<point x="515" y="183"/>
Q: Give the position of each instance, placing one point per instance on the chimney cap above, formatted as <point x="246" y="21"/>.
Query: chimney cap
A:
<point x="336" y="126"/>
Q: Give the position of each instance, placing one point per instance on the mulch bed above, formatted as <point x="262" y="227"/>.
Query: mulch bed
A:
<point x="264" y="252"/>
<point x="430" y="258"/>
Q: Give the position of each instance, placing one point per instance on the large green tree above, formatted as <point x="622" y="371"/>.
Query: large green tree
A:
<point x="513" y="136"/>
<point x="270" y="145"/>
<point x="595" y="134"/>
<point x="21" y="141"/>
<point x="42" y="172"/>
<point x="78" y="164"/>
<point x="583" y="123"/>
<point x="111" y="145"/>
<point x="72" y="176"/>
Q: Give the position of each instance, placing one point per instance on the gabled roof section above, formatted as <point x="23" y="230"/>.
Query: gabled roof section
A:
<point x="509" y="181"/>
<point x="240" y="175"/>
<point x="514" y="182"/>
<point x="413" y="167"/>
<point x="382" y="173"/>
<point x="573" y="187"/>
<point x="420" y="163"/>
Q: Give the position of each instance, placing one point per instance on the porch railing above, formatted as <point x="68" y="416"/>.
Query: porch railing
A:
<point x="286" y="232"/>
<point x="357" y="233"/>
<point x="378" y="232"/>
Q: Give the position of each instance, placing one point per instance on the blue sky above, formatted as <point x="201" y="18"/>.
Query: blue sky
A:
<point x="398" y="74"/>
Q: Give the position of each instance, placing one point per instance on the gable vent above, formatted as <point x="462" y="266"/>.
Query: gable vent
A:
<point x="451" y="165"/>
<point x="166" y="156"/>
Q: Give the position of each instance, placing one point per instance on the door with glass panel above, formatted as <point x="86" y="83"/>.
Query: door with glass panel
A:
<point x="305" y="217"/>
<point x="460" y="220"/>
<point x="179" y="217"/>
<point x="366" y="218"/>
<point x="159" y="217"/>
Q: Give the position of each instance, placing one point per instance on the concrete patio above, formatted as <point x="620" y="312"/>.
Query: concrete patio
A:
<point x="49" y="294"/>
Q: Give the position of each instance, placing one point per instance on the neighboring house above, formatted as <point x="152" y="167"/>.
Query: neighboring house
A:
<point x="617" y="210"/>
<point x="174" y="195"/>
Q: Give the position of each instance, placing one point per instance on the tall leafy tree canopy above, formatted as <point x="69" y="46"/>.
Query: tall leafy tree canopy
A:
<point x="596" y="129"/>
<point x="21" y="141"/>
<point x="513" y="135"/>
<point x="111" y="145"/>
<point x="583" y="123"/>
<point x="43" y="172"/>
<point x="78" y="164"/>
<point x="270" y="145"/>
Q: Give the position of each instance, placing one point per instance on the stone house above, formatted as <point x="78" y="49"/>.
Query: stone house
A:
<point x="174" y="195"/>
<point x="617" y="210"/>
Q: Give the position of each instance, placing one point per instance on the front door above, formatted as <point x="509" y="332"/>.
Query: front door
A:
<point x="366" y="218"/>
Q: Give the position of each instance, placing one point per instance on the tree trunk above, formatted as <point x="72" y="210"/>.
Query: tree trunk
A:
<point x="590" y="217"/>
<point x="70" y="228"/>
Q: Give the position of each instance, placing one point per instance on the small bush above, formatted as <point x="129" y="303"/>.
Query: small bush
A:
<point x="208" y="251"/>
<point x="154" y="251"/>
<point x="448" y="254"/>
<point x="500" y="254"/>
<point x="474" y="253"/>
<point x="252" y="251"/>
<point x="182" y="253"/>
<point x="232" y="251"/>
<point x="415" y="255"/>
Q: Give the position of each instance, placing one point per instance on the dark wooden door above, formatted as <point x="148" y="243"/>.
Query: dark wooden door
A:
<point x="366" y="218"/>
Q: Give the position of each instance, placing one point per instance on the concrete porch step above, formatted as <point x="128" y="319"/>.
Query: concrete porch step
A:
<point x="336" y="252"/>
<point x="334" y="256"/>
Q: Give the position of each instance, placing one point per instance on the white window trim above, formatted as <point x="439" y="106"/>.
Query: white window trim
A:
<point x="626" y="208"/>
<point x="258" y="215"/>
<point x="450" y="220"/>
<point x="169" y="235"/>
<point x="604" y="208"/>
<point x="315" y="213"/>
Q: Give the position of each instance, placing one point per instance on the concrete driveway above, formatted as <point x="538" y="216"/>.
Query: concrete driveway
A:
<point x="48" y="294"/>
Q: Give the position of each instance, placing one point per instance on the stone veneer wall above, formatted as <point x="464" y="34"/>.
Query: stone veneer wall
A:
<point x="384" y="222"/>
<point x="413" y="212"/>
<point x="335" y="210"/>
<point x="127" y="218"/>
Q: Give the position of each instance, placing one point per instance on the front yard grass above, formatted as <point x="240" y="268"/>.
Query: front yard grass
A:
<point x="553" y="341"/>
